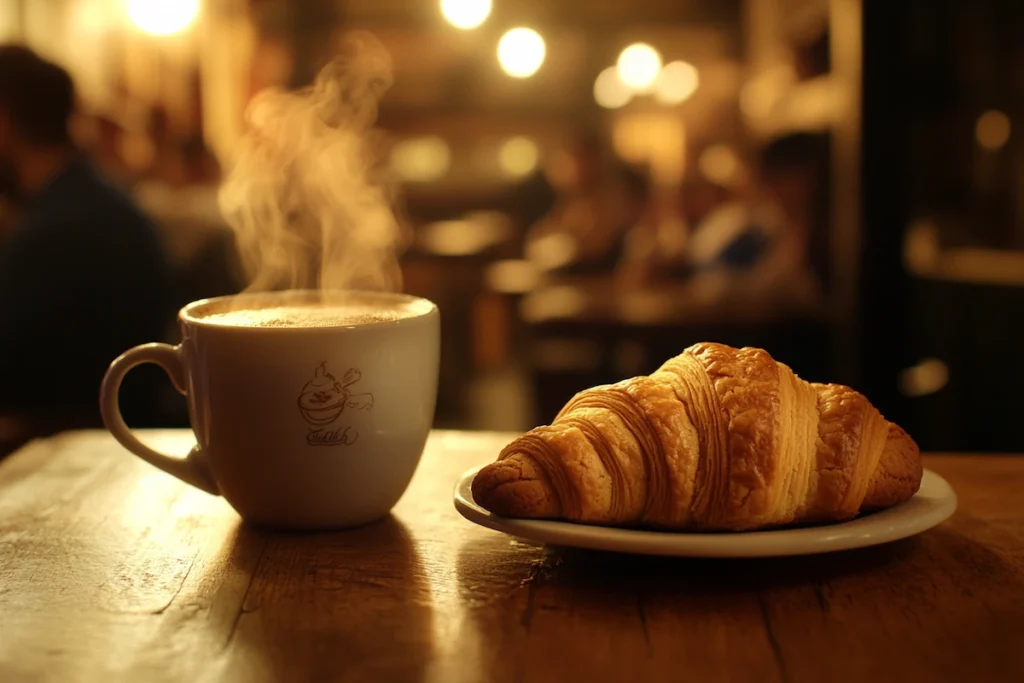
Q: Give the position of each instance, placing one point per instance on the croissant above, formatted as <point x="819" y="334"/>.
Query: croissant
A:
<point x="717" y="439"/>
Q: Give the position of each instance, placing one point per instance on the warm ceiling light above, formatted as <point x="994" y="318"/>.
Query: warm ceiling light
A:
<point x="163" y="17"/>
<point x="638" y="66"/>
<point x="521" y="52"/>
<point x="466" y="14"/>
<point x="609" y="90"/>
<point x="676" y="83"/>
<point x="993" y="129"/>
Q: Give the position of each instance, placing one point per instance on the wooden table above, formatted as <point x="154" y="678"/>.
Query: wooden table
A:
<point x="111" y="570"/>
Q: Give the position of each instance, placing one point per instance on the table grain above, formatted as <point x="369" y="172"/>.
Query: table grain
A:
<point x="113" y="571"/>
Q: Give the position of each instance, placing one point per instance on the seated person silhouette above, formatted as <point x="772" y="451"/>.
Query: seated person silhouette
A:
<point x="83" y="275"/>
<point x="768" y="241"/>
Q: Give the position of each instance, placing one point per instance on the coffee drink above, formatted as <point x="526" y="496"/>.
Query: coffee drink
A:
<point x="310" y="410"/>
<point x="313" y="314"/>
<point x="303" y="316"/>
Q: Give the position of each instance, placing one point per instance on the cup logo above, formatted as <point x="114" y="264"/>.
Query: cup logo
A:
<point x="323" y="401"/>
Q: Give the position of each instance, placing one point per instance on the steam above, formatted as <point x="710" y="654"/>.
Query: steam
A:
<point x="305" y="198"/>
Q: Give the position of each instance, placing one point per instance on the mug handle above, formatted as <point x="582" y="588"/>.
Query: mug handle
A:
<point x="191" y="469"/>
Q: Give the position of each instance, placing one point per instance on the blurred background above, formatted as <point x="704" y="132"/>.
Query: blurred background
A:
<point x="593" y="185"/>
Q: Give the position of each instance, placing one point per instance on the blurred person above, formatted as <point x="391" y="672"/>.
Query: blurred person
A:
<point x="528" y="201"/>
<point x="102" y="136"/>
<point x="770" y="238"/>
<point x="598" y="200"/>
<point x="183" y="186"/>
<point x="201" y="165"/>
<point x="701" y="197"/>
<point x="656" y="247"/>
<point x="181" y="195"/>
<point x="82" y="272"/>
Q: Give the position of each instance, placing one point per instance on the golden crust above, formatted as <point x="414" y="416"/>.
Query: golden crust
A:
<point x="842" y="413"/>
<point x="746" y="383"/>
<point x="898" y="474"/>
<point x="718" y="439"/>
<point x="678" y="444"/>
<point x="621" y="447"/>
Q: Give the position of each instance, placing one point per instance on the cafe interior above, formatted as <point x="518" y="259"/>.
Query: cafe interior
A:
<point x="590" y="191"/>
<point x="587" y="187"/>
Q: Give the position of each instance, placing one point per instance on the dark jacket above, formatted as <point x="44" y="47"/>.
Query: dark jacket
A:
<point x="82" y="278"/>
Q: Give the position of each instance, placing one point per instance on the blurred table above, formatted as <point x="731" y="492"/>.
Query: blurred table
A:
<point x="607" y="300"/>
<point x="113" y="571"/>
<point x="446" y="263"/>
<point x="595" y="329"/>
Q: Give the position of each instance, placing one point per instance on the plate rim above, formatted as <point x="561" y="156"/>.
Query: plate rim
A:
<point x="901" y="521"/>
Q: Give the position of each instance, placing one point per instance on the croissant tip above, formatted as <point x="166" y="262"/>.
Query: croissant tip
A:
<point x="515" y="487"/>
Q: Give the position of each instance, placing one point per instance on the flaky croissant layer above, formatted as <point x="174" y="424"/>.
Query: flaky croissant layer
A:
<point x="718" y="438"/>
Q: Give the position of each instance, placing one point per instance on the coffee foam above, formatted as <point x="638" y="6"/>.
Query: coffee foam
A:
<point x="340" y="315"/>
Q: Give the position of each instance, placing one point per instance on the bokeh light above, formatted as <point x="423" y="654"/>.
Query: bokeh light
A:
<point x="927" y="377"/>
<point x="466" y="14"/>
<point x="10" y="21"/>
<point x="552" y="251"/>
<point x="519" y="156"/>
<point x="521" y="52"/>
<point x="609" y="90"/>
<point x="513" y="276"/>
<point x="759" y="97"/>
<point x="163" y="17"/>
<point x="422" y="159"/>
<point x="993" y="129"/>
<point x="89" y="17"/>
<point x="719" y="164"/>
<point x="454" y="238"/>
<point x="638" y="66"/>
<point x="676" y="82"/>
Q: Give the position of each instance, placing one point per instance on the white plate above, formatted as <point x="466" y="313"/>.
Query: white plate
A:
<point x="933" y="504"/>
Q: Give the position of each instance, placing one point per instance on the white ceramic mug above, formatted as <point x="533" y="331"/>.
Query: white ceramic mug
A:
<point x="279" y="452"/>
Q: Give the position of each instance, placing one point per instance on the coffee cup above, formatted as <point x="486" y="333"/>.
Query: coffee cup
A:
<point x="310" y="410"/>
